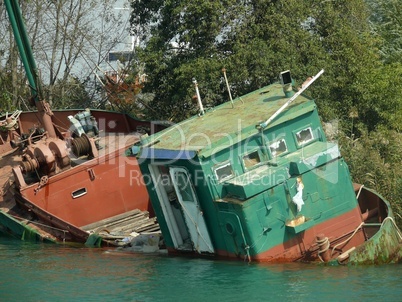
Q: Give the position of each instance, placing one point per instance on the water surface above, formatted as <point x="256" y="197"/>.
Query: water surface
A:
<point x="46" y="272"/>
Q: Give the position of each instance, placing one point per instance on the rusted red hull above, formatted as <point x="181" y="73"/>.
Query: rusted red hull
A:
<point x="304" y="247"/>
<point x="90" y="190"/>
<point x="110" y="185"/>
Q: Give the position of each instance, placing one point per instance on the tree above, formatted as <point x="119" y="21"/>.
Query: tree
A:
<point x="255" y="41"/>
<point x="71" y="93"/>
<point x="70" y="40"/>
<point x="184" y="44"/>
<point x="124" y="92"/>
<point x="386" y="22"/>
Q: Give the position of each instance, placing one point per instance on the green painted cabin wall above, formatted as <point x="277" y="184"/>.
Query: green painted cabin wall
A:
<point x="263" y="217"/>
<point x="253" y="219"/>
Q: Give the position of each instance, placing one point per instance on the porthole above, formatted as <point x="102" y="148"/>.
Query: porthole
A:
<point x="230" y="228"/>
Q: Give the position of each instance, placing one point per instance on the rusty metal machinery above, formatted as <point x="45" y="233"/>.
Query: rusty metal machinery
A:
<point x="83" y="123"/>
<point x="84" y="145"/>
<point x="47" y="157"/>
<point x="84" y="130"/>
<point x="51" y="156"/>
<point x="43" y="158"/>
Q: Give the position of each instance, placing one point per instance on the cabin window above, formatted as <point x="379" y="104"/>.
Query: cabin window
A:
<point x="278" y="147"/>
<point x="224" y="171"/>
<point x="304" y="136"/>
<point x="251" y="159"/>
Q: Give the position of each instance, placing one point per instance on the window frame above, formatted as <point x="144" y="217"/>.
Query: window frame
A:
<point x="301" y="144"/>
<point x="256" y="150"/>
<point x="270" y="143"/>
<point x="220" y="166"/>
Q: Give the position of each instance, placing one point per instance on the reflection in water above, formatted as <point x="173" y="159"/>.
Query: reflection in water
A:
<point x="45" y="272"/>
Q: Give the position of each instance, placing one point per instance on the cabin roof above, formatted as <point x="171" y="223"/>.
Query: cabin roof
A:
<point x="227" y="124"/>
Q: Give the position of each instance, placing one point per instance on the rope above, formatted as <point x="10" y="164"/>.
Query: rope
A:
<point x="358" y="194"/>
<point x="320" y="244"/>
<point x="396" y="227"/>
<point x="14" y="119"/>
<point x="343" y="242"/>
<point x="247" y="255"/>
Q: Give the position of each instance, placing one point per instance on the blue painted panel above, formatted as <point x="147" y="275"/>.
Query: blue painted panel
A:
<point x="166" y="154"/>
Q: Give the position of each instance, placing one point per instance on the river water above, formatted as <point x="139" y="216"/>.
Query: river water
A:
<point x="47" y="272"/>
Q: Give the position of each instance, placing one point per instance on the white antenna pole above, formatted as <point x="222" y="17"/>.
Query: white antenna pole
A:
<point x="227" y="85"/>
<point x="198" y="96"/>
<point x="265" y="124"/>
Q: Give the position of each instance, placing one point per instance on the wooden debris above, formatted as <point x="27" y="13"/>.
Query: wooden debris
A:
<point x="121" y="226"/>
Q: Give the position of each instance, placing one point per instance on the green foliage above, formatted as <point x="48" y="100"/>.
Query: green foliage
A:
<point x="382" y="98"/>
<point x="373" y="160"/>
<point x="69" y="93"/>
<point x="255" y="41"/>
<point x="11" y="92"/>
<point x="386" y="21"/>
<point x="185" y="44"/>
<point x="6" y="102"/>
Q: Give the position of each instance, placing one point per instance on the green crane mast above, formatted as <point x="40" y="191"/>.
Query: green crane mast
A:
<point x="25" y="50"/>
